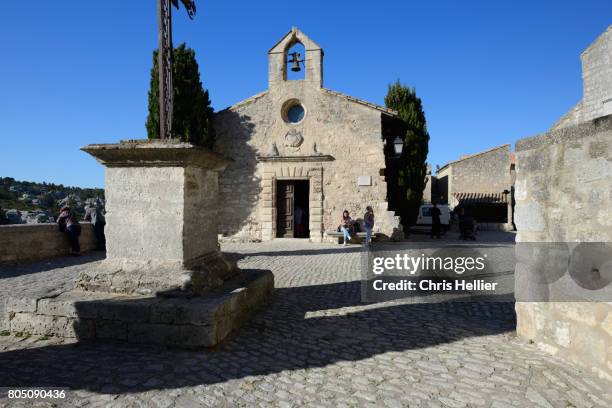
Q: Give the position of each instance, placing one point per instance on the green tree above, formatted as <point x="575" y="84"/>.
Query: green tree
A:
<point x="47" y="201"/>
<point x="412" y="168"/>
<point x="192" y="113"/>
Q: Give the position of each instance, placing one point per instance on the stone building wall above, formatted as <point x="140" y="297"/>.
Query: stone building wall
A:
<point x="33" y="242"/>
<point x="563" y="192"/>
<point x="485" y="172"/>
<point x="597" y="83"/>
<point x="339" y="140"/>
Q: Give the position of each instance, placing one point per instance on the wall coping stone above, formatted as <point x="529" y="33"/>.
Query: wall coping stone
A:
<point x="575" y="132"/>
<point x="156" y="153"/>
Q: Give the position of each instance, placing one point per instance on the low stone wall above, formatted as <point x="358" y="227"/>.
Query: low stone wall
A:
<point x="563" y="194"/>
<point x="32" y="242"/>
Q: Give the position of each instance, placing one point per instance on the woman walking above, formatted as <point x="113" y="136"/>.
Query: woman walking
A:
<point x="345" y="225"/>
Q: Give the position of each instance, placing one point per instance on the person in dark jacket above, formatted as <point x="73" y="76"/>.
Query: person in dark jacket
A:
<point x="96" y="217"/>
<point x="69" y="224"/>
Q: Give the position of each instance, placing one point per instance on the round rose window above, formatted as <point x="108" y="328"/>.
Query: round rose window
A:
<point x="293" y="111"/>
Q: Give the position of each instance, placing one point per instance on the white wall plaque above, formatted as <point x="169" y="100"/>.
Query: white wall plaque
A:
<point x="364" y="180"/>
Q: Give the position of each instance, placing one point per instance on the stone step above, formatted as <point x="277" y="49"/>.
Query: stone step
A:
<point x="179" y="321"/>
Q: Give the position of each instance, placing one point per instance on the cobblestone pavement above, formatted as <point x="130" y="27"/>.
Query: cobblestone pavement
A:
<point x="316" y="344"/>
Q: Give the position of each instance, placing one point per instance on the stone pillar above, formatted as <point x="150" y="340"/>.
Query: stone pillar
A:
<point x="316" y="203"/>
<point x="161" y="202"/>
<point x="268" y="216"/>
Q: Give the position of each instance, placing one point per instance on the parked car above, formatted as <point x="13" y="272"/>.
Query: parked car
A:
<point x="424" y="217"/>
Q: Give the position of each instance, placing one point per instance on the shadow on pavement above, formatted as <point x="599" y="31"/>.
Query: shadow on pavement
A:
<point x="303" y="327"/>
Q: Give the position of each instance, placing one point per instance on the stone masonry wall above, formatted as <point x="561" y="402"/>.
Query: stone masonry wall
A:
<point x="597" y="83"/>
<point x="487" y="172"/>
<point x="25" y="243"/>
<point x="563" y="194"/>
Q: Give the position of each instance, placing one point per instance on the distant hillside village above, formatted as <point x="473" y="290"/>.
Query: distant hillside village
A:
<point x="25" y="202"/>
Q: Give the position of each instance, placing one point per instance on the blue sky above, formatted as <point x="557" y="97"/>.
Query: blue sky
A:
<point x="489" y="72"/>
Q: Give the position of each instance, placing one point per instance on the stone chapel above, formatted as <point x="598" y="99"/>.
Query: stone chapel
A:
<point x="302" y="154"/>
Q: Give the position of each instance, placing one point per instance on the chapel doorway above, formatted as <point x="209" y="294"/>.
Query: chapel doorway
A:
<point x="292" y="199"/>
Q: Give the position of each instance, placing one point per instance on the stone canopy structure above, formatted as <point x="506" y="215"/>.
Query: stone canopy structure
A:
<point x="299" y="147"/>
<point x="164" y="280"/>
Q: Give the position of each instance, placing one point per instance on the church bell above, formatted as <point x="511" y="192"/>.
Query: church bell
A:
<point x="295" y="61"/>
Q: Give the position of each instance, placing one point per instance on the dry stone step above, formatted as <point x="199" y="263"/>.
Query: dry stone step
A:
<point x="198" y="321"/>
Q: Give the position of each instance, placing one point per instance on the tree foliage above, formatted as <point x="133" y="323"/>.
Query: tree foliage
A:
<point x="192" y="114"/>
<point x="412" y="169"/>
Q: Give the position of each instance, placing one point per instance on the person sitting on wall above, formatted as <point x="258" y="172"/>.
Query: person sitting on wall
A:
<point x="345" y="225"/>
<point x="96" y="217"/>
<point x="69" y="224"/>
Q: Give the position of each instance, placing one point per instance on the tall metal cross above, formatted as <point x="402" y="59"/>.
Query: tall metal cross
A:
<point x="164" y="61"/>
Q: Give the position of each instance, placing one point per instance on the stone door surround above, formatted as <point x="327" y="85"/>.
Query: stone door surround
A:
<point x="313" y="172"/>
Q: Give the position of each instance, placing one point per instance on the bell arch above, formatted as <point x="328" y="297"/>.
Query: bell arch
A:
<point x="312" y="59"/>
<point x="295" y="57"/>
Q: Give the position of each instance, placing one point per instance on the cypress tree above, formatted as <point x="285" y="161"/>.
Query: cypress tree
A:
<point x="192" y="113"/>
<point x="412" y="168"/>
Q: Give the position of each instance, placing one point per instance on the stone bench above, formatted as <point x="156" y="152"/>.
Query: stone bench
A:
<point x="358" y="237"/>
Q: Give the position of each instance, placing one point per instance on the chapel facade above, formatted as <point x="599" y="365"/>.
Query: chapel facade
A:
<point x="301" y="154"/>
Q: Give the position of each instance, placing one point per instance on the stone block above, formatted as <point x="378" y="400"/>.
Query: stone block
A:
<point x="66" y="305"/>
<point x="197" y="336"/>
<point x="126" y="310"/>
<point x="581" y="312"/>
<point x="21" y="304"/>
<point x="111" y="330"/>
<point x="588" y="345"/>
<point x="607" y="327"/>
<point x="153" y="333"/>
<point x="165" y="311"/>
<point x="561" y="333"/>
<point x="171" y="335"/>
<point x="52" y="326"/>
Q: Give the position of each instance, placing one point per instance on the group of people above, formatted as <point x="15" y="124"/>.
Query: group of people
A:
<point x="347" y="225"/>
<point x="468" y="226"/>
<point x="69" y="224"/>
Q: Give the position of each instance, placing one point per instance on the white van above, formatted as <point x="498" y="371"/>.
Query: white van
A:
<point x="424" y="217"/>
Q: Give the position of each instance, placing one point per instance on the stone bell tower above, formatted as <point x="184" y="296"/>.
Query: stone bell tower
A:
<point x="277" y="59"/>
